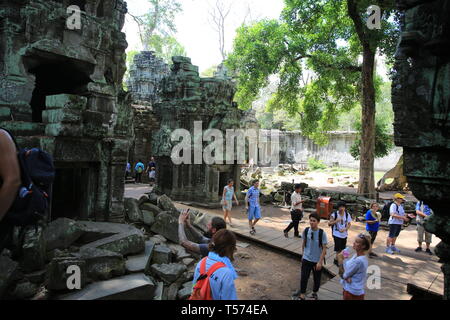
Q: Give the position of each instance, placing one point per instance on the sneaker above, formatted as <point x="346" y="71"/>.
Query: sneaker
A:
<point x="429" y="252"/>
<point x="298" y="236"/>
<point x="373" y="255"/>
<point x="313" y="296"/>
<point x="252" y="232"/>
<point x="286" y="235"/>
<point x="389" y="250"/>
<point x="418" y="249"/>
<point x="394" y="248"/>
<point x="253" y="229"/>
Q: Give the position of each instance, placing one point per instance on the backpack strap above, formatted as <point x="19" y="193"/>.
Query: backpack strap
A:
<point x="216" y="266"/>
<point x="203" y="266"/>
<point x="305" y="236"/>
<point x="320" y="238"/>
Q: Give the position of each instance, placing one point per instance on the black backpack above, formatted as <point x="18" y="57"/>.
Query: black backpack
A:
<point x="33" y="198"/>
<point x="305" y="239"/>
<point x="386" y="212"/>
<point x="335" y="213"/>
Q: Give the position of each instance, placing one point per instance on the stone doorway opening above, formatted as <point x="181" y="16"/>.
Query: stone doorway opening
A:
<point x="53" y="78"/>
<point x="223" y="180"/>
<point x="74" y="190"/>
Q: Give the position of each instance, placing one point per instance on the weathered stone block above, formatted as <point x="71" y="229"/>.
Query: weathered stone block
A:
<point x="169" y="273"/>
<point x="57" y="272"/>
<point x="142" y="262"/>
<point x="166" y="224"/>
<point x="130" y="287"/>
<point x="161" y="255"/>
<point x="102" y="264"/>
<point x="61" y="116"/>
<point x="132" y="210"/>
<point x="66" y="101"/>
<point x="166" y="204"/>
<point x="148" y="218"/>
<point x="150" y="207"/>
<point x="63" y="130"/>
<point x="61" y="233"/>
<point x="8" y="273"/>
<point x="24" y="290"/>
<point x="33" y="250"/>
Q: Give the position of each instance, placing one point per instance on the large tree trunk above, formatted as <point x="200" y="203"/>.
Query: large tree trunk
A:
<point x="399" y="181"/>
<point x="367" y="153"/>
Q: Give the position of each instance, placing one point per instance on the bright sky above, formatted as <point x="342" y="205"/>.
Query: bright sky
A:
<point x="195" y="32"/>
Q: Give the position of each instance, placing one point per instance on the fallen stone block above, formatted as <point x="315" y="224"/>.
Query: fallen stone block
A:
<point x="33" y="250"/>
<point x="142" y="262"/>
<point x="24" y="290"/>
<point x="61" y="233"/>
<point x="171" y="292"/>
<point x="129" y="241"/>
<point x="130" y="287"/>
<point x="169" y="273"/>
<point x="36" y="277"/>
<point x="166" y="224"/>
<point x="151" y="207"/>
<point x="166" y="204"/>
<point x="184" y="293"/>
<point x="161" y="254"/>
<point x="102" y="264"/>
<point x="179" y="252"/>
<point x="8" y="273"/>
<point x="57" y="272"/>
<point x="148" y="218"/>
<point x="132" y="210"/>
<point x="159" y="291"/>
<point x="188" y="261"/>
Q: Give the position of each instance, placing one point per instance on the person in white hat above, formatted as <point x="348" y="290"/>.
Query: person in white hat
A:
<point x="398" y="217"/>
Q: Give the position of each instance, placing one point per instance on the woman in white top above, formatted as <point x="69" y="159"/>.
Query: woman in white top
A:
<point x="354" y="270"/>
<point x="227" y="200"/>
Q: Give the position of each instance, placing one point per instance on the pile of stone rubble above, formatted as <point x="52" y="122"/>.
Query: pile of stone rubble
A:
<point x="137" y="260"/>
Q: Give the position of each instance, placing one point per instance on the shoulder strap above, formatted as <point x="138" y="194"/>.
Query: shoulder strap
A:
<point x="216" y="266"/>
<point x="305" y="236"/>
<point x="203" y="266"/>
<point x="320" y="238"/>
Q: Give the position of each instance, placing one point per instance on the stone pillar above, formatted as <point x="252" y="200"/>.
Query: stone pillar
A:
<point x="421" y="95"/>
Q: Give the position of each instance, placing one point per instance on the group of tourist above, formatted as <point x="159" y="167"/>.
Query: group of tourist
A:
<point x="218" y="247"/>
<point x="140" y="169"/>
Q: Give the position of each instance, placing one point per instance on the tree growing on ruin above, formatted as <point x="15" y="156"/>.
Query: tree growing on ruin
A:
<point x="157" y="28"/>
<point x="330" y="39"/>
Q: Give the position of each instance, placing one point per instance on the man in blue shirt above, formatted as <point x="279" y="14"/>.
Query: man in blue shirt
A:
<point x="139" y="169"/>
<point x="423" y="211"/>
<point x="253" y="207"/>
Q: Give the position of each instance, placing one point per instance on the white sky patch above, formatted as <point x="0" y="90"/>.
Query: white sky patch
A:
<point x="194" y="30"/>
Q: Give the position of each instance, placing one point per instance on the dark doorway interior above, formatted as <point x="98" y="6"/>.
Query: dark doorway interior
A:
<point x="74" y="191"/>
<point x="164" y="174"/>
<point x="55" y="78"/>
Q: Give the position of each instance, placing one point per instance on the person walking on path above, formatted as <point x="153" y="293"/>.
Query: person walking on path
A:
<point x="220" y="257"/>
<point x="139" y="169"/>
<point x="396" y="220"/>
<point x="296" y="211"/>
<point x="128" y="170"/>
<point x="423" y="211"/>
<point x="227" y="200"/>
<point x="353" y="272"/>
<point x="152" y="176"/>
<point x="373" y="218"/>
<point x="314" y="249"/>
<point x="340" y="222"/>
<point x="253" y="207"/>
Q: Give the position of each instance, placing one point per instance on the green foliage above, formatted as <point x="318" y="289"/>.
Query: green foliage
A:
<point x="314" y="49"/>
<point x="166" y="47"/>
<point x="208" y="73"/>
<point x="314" y="164"/>
<point x="383" y="141"/>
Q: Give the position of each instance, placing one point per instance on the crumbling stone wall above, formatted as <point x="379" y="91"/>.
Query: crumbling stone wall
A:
<point x="421" y="100"/>
<point x="187" y="98"/>
<point x="61" y="90"/>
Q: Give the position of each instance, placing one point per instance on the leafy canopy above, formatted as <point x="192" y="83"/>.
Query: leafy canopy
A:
<point x="315" y="51"/>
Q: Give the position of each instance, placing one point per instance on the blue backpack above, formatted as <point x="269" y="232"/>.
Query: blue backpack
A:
<point x="33" y="198"/>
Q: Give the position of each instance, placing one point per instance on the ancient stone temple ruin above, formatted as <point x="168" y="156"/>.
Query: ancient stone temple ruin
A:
<point x="144" y="85"/>
<point x="186" y="98"/>
<point x="61" y="90"/>
<point x="421" y="95"/>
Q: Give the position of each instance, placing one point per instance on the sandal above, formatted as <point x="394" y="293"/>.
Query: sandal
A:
<point x="252" y="232"/>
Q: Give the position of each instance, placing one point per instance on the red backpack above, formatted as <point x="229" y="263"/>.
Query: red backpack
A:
<point x="202" y="289"/>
